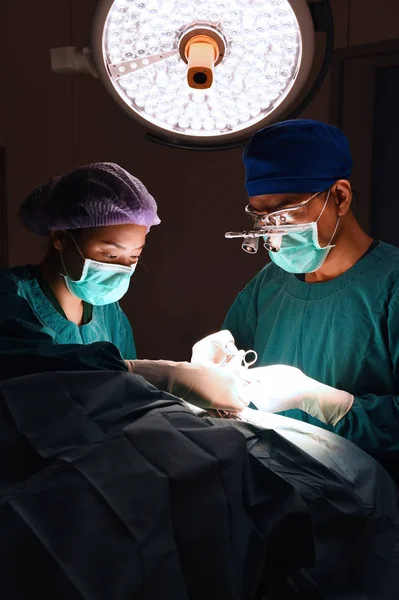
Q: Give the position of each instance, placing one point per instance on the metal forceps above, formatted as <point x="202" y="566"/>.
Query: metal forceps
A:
<point x="244" y="359"/>
<point x="246" y="363"/>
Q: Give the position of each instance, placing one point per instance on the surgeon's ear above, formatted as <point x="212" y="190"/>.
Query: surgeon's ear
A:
<point x="342" y="194"/>
<point x="57" y="239"/>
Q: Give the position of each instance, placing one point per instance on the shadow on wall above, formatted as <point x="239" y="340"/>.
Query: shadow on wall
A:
<point x="3" y="211"/>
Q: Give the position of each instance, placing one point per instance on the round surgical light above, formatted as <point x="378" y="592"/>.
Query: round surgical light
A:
<point x="204" y="71"/>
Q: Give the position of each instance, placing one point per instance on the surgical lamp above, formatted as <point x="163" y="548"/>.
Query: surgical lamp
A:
<point x="204" y="74"/>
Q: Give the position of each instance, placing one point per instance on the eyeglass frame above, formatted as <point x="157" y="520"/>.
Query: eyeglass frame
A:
<point x="251" y="237"/>
<point x="259" y="217"/>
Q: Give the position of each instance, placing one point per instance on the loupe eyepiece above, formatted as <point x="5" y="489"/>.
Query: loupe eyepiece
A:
<point x="273" y="243"/>
<point x="250" y="245"/>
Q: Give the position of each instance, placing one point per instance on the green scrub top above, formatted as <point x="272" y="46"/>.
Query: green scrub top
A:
<point x="48" y="292"/>
<point x="26" y="300"/>
<point x="343" y="332"/>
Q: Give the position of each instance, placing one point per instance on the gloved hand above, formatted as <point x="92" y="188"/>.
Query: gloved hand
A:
<point x="279" y="387"/>
<point x="215" y="349"/>
<point x="205" y="386"/>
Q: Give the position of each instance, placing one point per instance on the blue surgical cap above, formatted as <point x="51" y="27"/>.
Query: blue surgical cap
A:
<point x="297" y="156"/>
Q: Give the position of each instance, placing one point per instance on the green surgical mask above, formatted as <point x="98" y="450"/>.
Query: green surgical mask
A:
<point x="100" y="283"/>
<point x="301" y="252"/>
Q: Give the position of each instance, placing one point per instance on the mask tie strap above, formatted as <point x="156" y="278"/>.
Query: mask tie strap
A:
<point x="63" y="265"/>
<point x="62" y="258"/>
<point x="324" y="207"/>
<point x="334" y="232"/>
<point x="77" y="247"/>
<point x="336" y="226"/>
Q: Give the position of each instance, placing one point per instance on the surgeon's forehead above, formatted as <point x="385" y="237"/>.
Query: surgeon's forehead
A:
<point x="124" y="237"/>
<point x="272" y="202"/>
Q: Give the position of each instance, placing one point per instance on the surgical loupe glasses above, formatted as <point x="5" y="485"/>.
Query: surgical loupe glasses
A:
<point x="273" y="226"/>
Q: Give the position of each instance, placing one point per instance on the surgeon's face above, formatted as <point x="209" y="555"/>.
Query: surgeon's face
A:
<point x="115" y="244"/>
<point x="337" y="206"/>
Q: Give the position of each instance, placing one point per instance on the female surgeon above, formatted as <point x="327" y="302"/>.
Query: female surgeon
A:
<point x="96" y="219"/>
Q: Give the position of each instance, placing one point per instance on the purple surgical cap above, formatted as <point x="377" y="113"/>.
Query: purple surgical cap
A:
<point x="94" y="195"/>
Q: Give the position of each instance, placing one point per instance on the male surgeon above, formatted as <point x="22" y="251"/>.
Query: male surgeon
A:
<point x="323" y="315"/>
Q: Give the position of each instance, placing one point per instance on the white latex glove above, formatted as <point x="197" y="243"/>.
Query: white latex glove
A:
<point x="205" y="386"/>
<point x="279" y="387"/>
<point x="215" y="349"/>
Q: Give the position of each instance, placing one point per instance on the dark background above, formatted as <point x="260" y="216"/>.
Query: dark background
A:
<point x="190" y="274"/>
